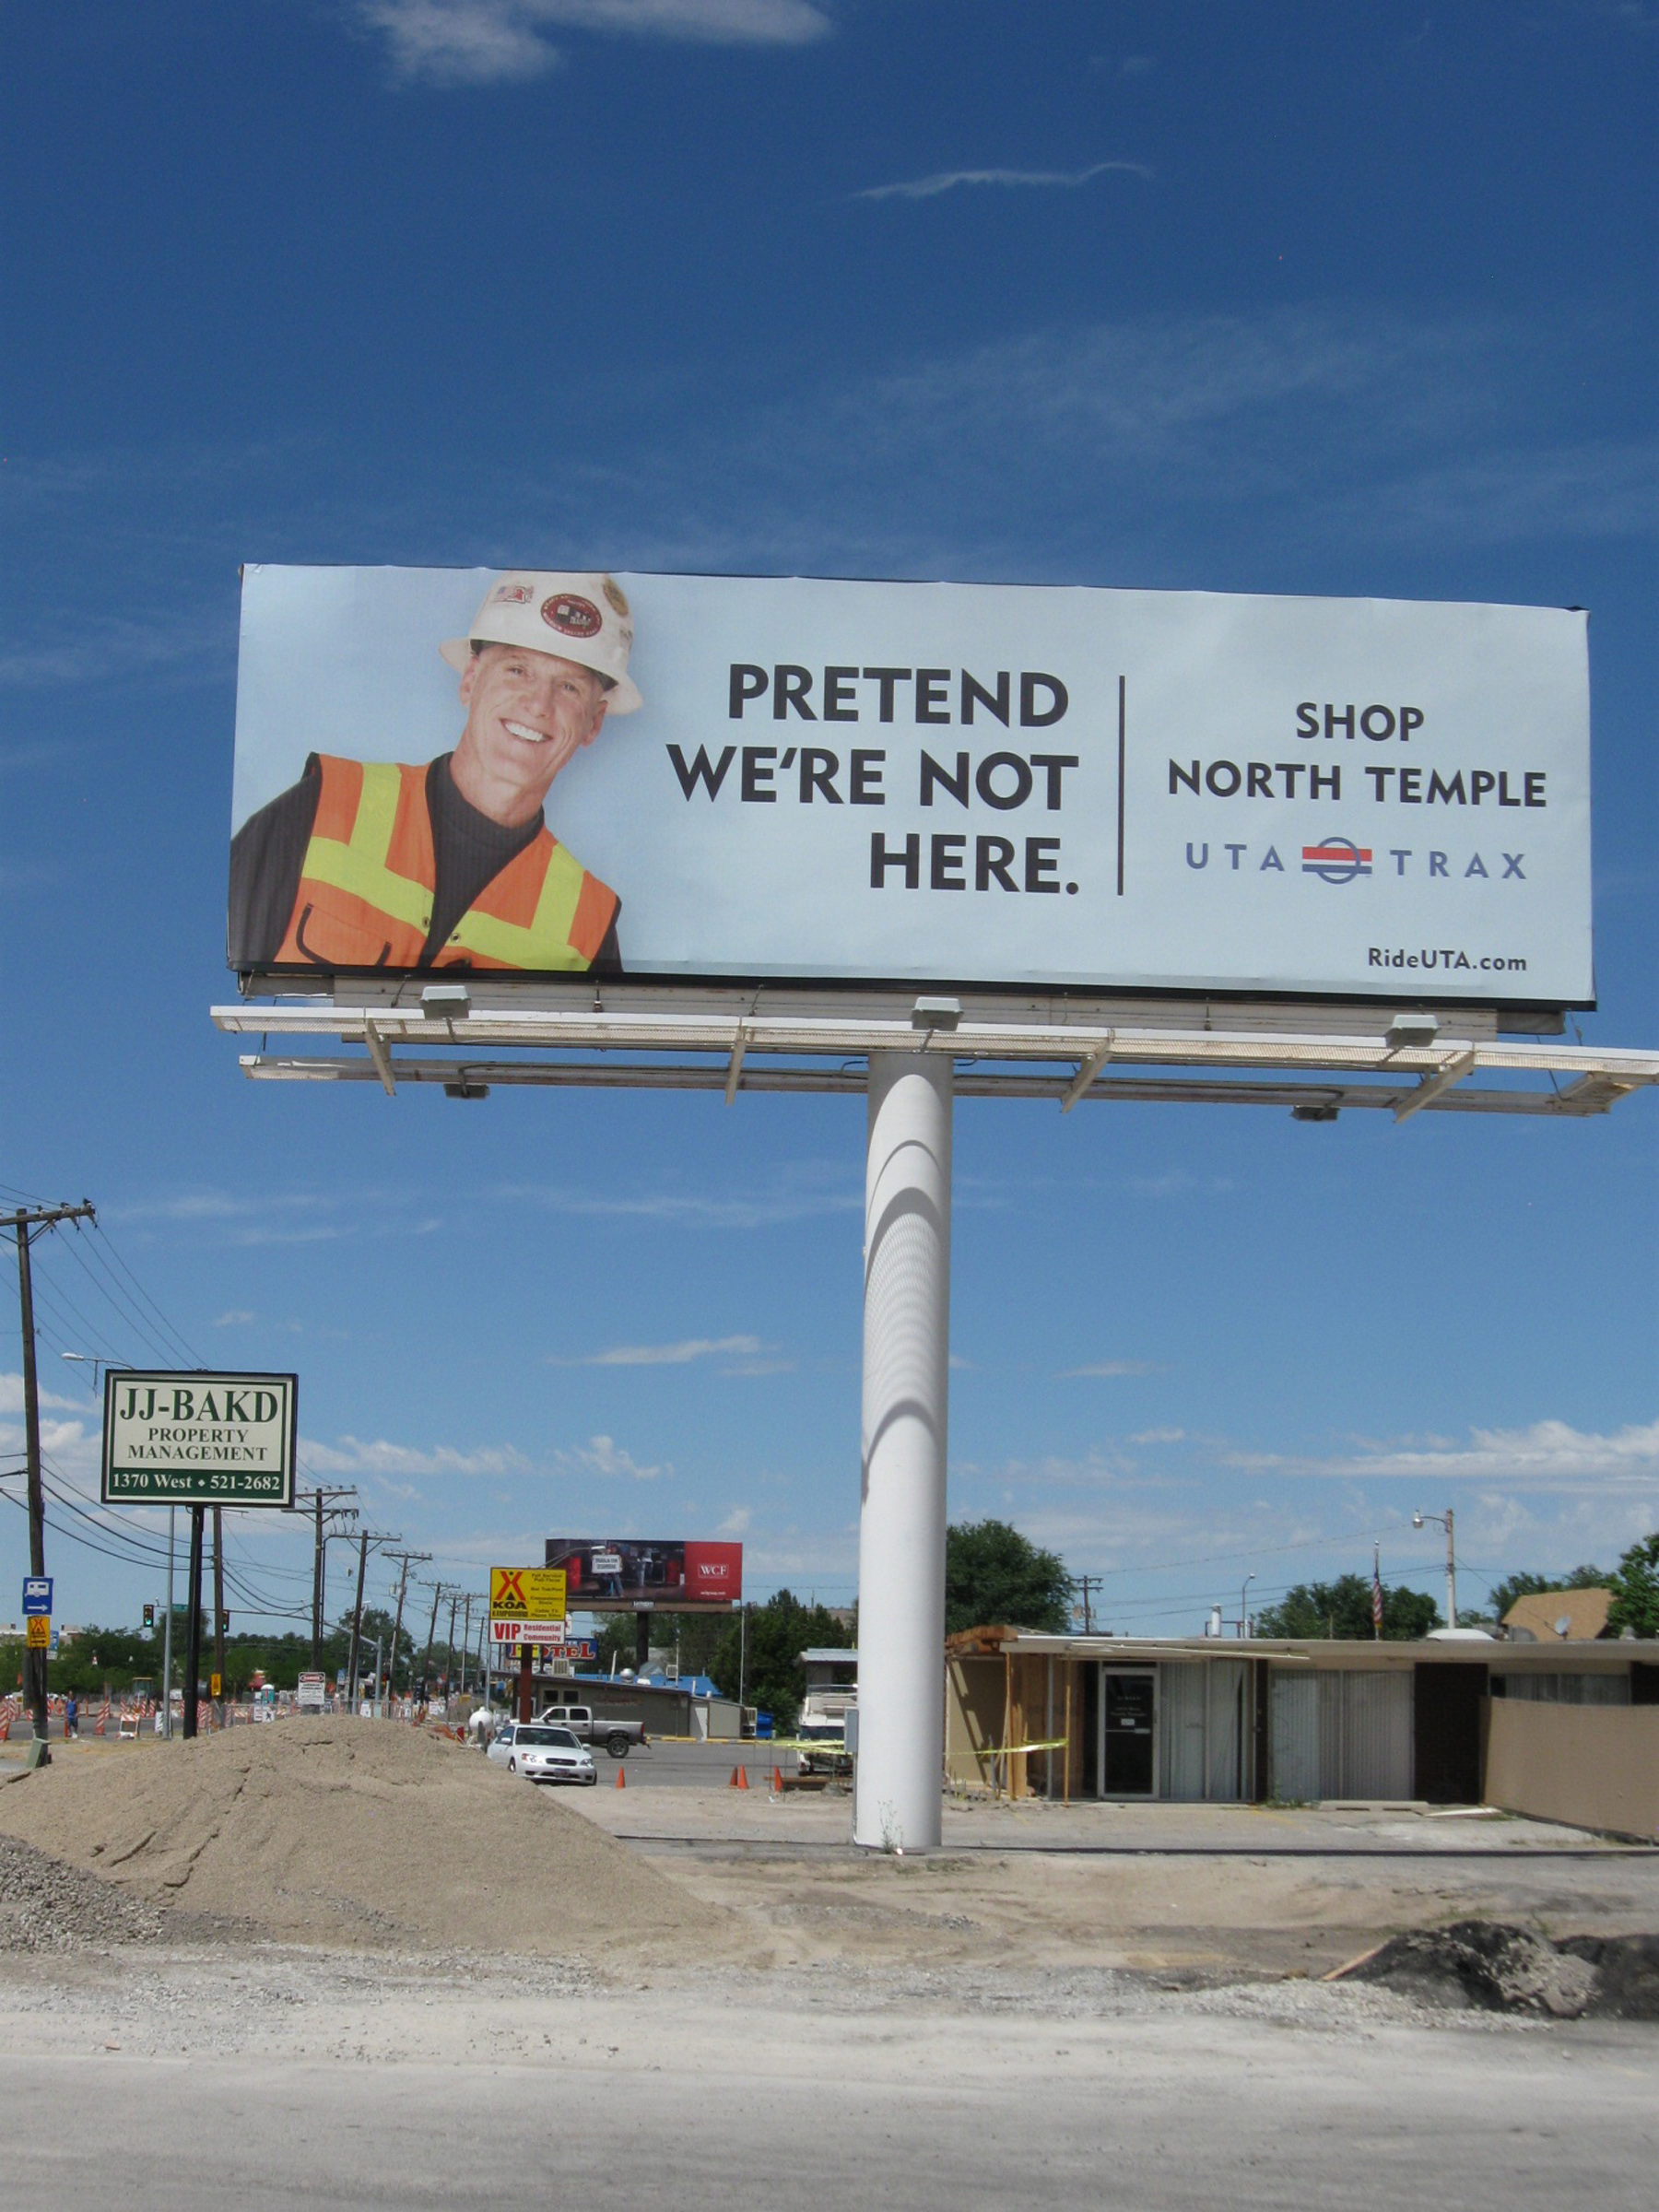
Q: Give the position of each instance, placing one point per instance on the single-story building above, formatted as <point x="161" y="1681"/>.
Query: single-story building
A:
<point x="1203" y="1720"/>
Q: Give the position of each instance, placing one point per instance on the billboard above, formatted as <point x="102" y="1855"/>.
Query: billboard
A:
<point x="197" y="1439"/>
<point x="736" y="779"/>
<point x="631" y="1573"/>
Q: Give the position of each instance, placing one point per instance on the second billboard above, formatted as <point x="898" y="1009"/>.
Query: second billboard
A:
<point x="626" y="1573"/>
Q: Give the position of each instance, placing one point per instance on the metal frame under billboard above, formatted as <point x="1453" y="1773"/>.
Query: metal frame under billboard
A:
<point x="190" y="1436"/>
<point x="634" y="1574"/>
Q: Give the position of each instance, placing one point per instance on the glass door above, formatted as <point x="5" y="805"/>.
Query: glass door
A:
<point x="1128" y="1732"/>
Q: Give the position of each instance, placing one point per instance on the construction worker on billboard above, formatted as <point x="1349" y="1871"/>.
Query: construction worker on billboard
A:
<point x="376" y="864"/>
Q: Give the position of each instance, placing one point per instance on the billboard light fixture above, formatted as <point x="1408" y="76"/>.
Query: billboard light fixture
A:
<point x="935" y="1014"/>
<point x="1411" y="1029"/>
<point x="446" y="1002"/>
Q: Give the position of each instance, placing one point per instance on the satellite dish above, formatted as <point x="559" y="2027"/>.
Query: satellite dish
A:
<point x="1562" y="1623"/>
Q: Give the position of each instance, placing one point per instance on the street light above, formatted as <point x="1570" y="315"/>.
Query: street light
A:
<point x="86" y="1360"/>
<point x="1245" y="1607"/>
<point x="1444" y="1521"/>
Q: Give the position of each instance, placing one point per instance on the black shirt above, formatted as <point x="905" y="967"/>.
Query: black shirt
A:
<point x="469" y="851"/>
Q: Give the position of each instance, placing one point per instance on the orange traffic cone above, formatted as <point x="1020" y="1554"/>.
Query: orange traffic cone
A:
<point x="777" y="1782"/>
<point x="743" y="1778"/>
<point x="621" y="1779"/>
<point x="733" y="1783"/>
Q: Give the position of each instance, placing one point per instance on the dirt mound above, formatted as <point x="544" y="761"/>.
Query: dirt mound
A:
<point x="48" y="1906"/>
<point x="346" y="1831"/>
<point x="1486" y="1964"/>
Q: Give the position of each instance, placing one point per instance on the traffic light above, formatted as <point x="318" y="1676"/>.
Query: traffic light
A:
<point x="224" y="1624"/>
<point x="150" y="1616"/>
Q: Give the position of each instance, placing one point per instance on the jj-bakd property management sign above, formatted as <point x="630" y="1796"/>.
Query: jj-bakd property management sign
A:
<point x="726" y="778"/>
<point x="199" y="1439"/>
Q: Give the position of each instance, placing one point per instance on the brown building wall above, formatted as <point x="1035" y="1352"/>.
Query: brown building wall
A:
<point x="1591" y="1766"/>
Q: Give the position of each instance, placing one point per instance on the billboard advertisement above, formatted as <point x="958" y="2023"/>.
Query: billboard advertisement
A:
<point x="196" y="1438"/>
<point x="625" y="1574"/>
<point x="556" y="772"/>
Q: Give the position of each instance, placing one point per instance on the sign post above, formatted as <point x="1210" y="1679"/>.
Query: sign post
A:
<point x="199" y="1439"/>
<point x="526" y="1607"/>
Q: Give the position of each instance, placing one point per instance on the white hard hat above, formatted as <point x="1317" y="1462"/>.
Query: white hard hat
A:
<point x="580" y="618"/>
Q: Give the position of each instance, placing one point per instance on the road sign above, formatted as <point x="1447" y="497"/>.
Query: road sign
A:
<point x="197" y="1439"/>
<point x="526" y="1631"/>
<point x="523" y="1594"/>
<point x="39" y="1632"/>
<point x="216" y="1685"/>
<point x="37" y="1593"/>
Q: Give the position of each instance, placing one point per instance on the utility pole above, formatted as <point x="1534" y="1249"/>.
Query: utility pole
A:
<point x="365" y="1536"/>
<point x="322" y="1502"/>
<point x="425" y="1671"/>
<point x="449" y="1665"/>
<point x="28" y="1223"/>
<point x="1083" y="1584"/>
<point x="409" y="1558"/>
<point x="466" y="1641"/>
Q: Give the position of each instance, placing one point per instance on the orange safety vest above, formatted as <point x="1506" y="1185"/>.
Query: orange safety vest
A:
<point x="366" y="888"/>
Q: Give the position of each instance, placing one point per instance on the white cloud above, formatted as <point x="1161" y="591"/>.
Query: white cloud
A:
<point x="354" y="1456"/>
<point x="11" y="1397"/>
<point x="1113" y="1367"/>
<point x="799" y="1196"/>
<point x="448" y="42"/>
<point x="603" y="1456"/>
<point x="238" y="1317"/>
<point x="1549" y="1455"/>
<point x="683" y="1354"/>
<point x="949" y="179"/>
<point x="737" y="1522"/>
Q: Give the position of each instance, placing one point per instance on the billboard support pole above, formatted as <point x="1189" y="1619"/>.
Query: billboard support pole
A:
<point x="897" y="1788"/>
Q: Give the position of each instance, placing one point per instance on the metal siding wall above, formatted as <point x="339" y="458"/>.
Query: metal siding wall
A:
<point x="1378" y="1755"/>
<point x="1228" y="1750"/>
<point x="1294" y="1740"/>
<point x="1181" y="1730"/>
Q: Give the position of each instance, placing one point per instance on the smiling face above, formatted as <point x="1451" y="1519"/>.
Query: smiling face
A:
<point x="528" y="714"/>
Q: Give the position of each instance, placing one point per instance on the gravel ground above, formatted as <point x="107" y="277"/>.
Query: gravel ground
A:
<point x="46" y="1905"/>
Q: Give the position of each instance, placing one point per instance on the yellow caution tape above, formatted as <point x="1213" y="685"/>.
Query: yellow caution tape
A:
<point x="1015" y="1750"/>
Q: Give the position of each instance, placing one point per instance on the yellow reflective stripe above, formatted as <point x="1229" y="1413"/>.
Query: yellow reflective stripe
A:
<point x="377" y="812"/>
<point x="547" y="942"/>
<point x="361" y="867"/>
<point x="343" y="868"/>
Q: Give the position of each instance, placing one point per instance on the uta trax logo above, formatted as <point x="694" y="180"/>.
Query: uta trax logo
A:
<point x="1337" y="860"/>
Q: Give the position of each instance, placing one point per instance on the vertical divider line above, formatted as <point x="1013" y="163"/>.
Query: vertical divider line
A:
<point x="1123" y="682"/>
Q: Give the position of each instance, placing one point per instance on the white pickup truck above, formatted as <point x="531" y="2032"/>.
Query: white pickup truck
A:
<point x="617" y="1737"/>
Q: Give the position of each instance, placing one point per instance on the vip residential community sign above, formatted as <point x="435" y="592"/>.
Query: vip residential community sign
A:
<point x="199" y="1439"/>
<point x="695" y="778"/>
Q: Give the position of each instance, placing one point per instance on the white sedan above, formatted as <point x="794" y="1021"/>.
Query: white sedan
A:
<point x="541" y="1753"/>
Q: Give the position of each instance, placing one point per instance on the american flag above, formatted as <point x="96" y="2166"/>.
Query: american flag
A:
<point x="1376" y="1590"/>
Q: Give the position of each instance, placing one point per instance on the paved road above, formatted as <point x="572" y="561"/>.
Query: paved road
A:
<point x="913" y="2113"/>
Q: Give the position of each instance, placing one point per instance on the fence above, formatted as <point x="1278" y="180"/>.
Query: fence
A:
<point x="1589" y="1766"/>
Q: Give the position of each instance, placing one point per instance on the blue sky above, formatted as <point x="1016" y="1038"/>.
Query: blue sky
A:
<point x="1300" y="299"/>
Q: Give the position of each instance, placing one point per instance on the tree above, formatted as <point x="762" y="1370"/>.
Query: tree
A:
<point x="992" y="1575"/>
<point x="1635" y="1587"/>
<point x="768" y="1645"/>
<point x="1342" y="1609"/>
<point x="1514" y="1586"/>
